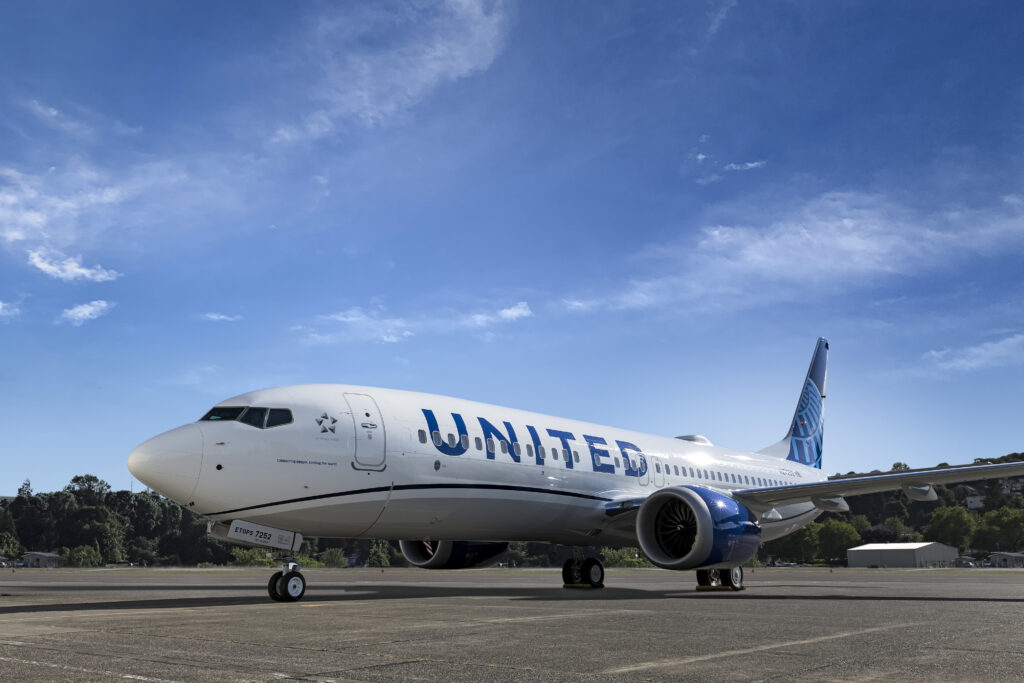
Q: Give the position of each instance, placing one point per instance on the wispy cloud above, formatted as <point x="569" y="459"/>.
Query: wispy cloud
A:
<point x="69" y="268"/>
<point x="837" y="240"/>
<point x="377" y="62"/>
<point x="376" y="325"/>
<point x="8" y="310"/>
<point x="221" y="317"/>
<point x="1007" y="351"/>
<point x="84" y="312"/>
<point x="708" y="179"/>
<point x="53" y="117"/>
<point x="748" y="166"/>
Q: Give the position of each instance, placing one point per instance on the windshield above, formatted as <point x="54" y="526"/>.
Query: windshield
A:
<point x="226" y="413"/>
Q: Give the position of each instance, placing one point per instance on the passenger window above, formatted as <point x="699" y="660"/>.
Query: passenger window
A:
<point x="565" y="454"/>
<point x="719" y="476"/>
<point x="691" y="472"/>
<point x="490" y="445"/>
<point x="576" y="456"/>
<point x="479" y="444"/>
<point x="423" y="436"/>
<point x="676" y="468"/>
<point x="540" y="449"/>
<point x="436" y="437"/>
<point x="465" y="441"/>
<point x="254" y="417"/>
<point x="517" y="448"/>
<point x="616" y="463"/>
<point x="657" y="467"/>
<point x="733" y="478"/>
<point x="529" y="451"/>
<point x="451" y="440"/>
<point x="504" y="446"/>
<point x="278" y="416"/>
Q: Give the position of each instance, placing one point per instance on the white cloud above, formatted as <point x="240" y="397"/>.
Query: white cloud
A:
<point x="220" y="317"/>
<point x="520" y="310"/>
<point x="57" y="119"/>
<point x="8" y="310"/>
<point x="1008" y="351"/>
<point x="70" y="268"/>
<point x="835" y="241"/>
<point x="358" y="324"/>
<point x="377" y="62"/>
<point x="83" y="312"/>
<point x="748" y="166"/>
<point x="708" y="179"/>
<point x="718" y="17"/>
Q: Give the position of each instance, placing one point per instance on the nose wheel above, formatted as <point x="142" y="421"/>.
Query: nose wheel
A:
<point x="585" y="573"/>
<point x="288" y="585"/>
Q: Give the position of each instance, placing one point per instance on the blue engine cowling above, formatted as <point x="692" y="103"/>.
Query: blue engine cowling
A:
<point x="692" y="527"/>
<point x="452" y="554"/>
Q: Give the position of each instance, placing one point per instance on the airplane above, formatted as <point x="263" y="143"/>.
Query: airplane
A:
<point x="454" y="481"/>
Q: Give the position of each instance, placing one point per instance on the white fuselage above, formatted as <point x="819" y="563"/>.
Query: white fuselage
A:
<point x="366" y="462"/>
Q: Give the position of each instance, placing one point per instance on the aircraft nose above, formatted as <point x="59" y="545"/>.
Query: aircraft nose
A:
<point x="170" y="463"/>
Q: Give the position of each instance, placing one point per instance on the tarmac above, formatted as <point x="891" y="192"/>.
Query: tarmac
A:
<point x="792" y="624"/>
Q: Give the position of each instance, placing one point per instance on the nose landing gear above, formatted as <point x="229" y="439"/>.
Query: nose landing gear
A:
<point x="288" y="585"/>
<point x="583" y="573"/>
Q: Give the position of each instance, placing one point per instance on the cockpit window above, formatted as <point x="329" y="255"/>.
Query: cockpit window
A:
<point x="225" y="414"/>
<point x="278" y="416"/>
<point x="254" y="417"/>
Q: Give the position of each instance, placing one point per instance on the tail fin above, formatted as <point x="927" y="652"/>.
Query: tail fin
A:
<point x="803" y="441"/>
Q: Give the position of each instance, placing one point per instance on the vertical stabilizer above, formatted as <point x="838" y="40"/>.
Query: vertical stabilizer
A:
<point x="803" y="441"/>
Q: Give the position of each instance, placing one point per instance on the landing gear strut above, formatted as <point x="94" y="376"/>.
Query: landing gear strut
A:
<point x="583" y="572"/>
<point x="720" y="579"/>
<point x="288" y="585"/>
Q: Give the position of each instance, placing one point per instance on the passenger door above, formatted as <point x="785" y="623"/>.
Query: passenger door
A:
<point x="369" y="432"/>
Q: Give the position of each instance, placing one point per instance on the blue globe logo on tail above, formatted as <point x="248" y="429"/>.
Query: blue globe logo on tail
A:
<point x="806" y="433"/>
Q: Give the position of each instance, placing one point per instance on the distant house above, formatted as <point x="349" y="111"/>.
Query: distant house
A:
<point x="902" y="555"/>
<point x="975" y="502"/>
<point x="1007" y="560"/>
<point x="41" y="560"/>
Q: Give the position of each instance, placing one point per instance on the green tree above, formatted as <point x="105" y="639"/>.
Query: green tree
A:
<point x="83" y="556"/>
<point x="624" y="557"/>
<point x="835" y="538"/>
<point x="1001" y="529"/>
<point x="903" y="533"/>
<point x="88" y="489"/>
<point x="251" y="557"/>
<point x="9" y="545"/>
<point x="334" y="557"/>
<point x="952" y="525"/>
<point x="380" y="554"/>
<point x="799" y="546"/>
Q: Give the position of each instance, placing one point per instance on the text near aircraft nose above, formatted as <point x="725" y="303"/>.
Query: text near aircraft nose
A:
<point x="170" y="463"/>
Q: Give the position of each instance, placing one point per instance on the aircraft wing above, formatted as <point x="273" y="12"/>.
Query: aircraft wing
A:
<point x="873" y="483"/>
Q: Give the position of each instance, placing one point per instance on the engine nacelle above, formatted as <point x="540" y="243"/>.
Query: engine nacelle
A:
<point x="452" y="554"/>
<point x="692" y="527"/>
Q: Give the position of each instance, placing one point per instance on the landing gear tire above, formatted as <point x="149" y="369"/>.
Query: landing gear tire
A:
<point x="733" y="578"/>
<point x="272" y="587"/>
<point x="291" y="586"/>
<point x="593" y="572"/>
<point x="572" y="573"/>
<point x="709" y="577"/>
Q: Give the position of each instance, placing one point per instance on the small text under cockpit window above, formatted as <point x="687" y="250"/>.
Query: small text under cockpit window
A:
<point x="226" y="414"/>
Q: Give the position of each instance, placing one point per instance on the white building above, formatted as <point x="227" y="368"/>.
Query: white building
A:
<point x="41" y="560"/>
<point x="902" y="555"/>
<point x="1006" y="559"/>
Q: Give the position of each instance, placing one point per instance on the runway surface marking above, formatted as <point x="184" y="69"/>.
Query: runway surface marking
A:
<point x="78" y="669"/>
<point x="663" y="663"/>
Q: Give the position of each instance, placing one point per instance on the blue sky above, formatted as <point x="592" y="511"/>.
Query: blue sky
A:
<point x="639" y="214"/>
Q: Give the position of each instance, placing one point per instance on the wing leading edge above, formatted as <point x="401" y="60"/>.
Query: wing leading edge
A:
<point x="760" y="499"/>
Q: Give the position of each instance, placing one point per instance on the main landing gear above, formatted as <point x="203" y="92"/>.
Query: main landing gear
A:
<point x="720" y="579"/>
<point x="288" y="585"/>
<point x="583" y="573"/>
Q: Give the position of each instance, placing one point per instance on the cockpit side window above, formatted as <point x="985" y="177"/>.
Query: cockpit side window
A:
<point x="278" y="416"/>
<point x="254" y="417"/>
<point x="222" y="414"/>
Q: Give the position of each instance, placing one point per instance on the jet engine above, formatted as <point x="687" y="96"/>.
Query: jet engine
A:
<point x="692" y="527"/>
<point x="451" y="554"/>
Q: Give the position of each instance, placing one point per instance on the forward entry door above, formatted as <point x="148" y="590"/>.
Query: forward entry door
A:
<point x="369" y="431"/>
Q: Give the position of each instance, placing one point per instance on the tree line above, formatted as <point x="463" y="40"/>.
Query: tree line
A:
<point x="88" y="524"/>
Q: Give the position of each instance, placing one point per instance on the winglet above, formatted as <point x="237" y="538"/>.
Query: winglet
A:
<point x="803" y="441"/>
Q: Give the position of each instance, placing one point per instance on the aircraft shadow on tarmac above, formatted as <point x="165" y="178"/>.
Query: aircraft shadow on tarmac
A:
<point x="335" y="593"/>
